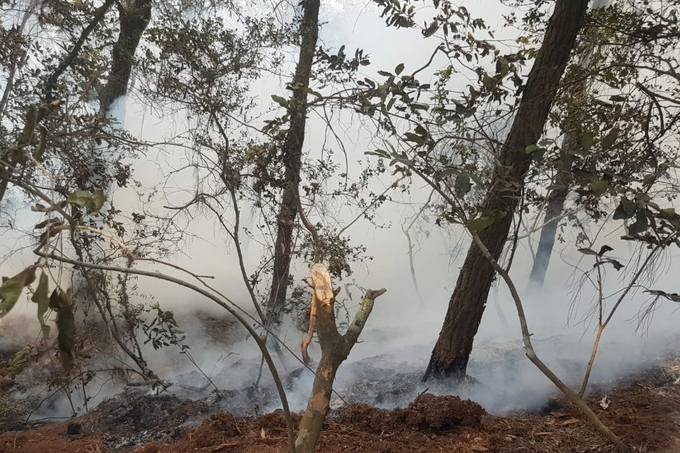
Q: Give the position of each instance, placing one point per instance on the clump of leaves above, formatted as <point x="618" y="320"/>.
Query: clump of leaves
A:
<point x="23" y="357"/>
<point x="163" y="330"/>
<point x="13" y="410"/>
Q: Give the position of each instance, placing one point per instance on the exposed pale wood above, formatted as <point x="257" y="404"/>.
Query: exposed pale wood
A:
<point x="334" y="350"/>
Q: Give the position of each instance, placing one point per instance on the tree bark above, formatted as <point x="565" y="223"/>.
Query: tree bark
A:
<point x="292" y="160"/>
<point x="334" y="350"/>
<point x="554" y="208"/>
<point x="558" y="196"/>
<point x="452" y="351"/>
<point x="133" y="22"/>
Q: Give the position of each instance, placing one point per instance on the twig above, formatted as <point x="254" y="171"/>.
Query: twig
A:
<point x="392" y="186"/>
<point x="603" y="325"/>
<point x="410" y="245"/>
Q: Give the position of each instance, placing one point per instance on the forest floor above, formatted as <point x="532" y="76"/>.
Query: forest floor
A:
<point x="643" y="409"/>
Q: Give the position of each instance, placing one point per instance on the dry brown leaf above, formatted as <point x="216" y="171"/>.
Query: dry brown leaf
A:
<point x="571" y="421"/>
<point x="558" y="414"/>
<point x="225" y="445"/>
<point x="263" y="434"/>
<point x="479" y="448"/>
<point x="543" y="434"/>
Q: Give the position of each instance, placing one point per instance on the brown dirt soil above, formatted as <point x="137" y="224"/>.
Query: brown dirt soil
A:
<point x="644" y="410"/>
<point x="428" y="413"/>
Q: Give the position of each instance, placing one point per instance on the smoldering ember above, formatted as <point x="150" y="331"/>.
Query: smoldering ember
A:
<point x="339" y="226"/>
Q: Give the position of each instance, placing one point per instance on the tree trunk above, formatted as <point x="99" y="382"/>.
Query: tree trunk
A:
<point x="134" y="17"/>
<point x="334" y="350"/>
<point x="292" y="160"/>
<point x="557" y="197"/>
<point x="452" y="350"/>
<point x="133" y="22"/>
<point x="553" y="210"/>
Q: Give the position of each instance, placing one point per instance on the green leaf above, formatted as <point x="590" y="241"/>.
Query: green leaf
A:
<point x="93" y="202"/>
<point x="378" y="152"/>
<point x="617" y="98"/>
<point x="41" y="297"/>
<point x="488" y="82"/>
<point x="399" y="69"/>
<point x="504" y="66"/>
<point x="391" y="103"/>
<point x="531" y="149"/>
<point x="641" y="223"/>
<point x="411" y="137"/>
<point x="649" y="179"/>
<point x="587" y="141"/>
<point x="604" y="249"/>
<point x="283" y="102"/>
<point x="587" y="251"/>
<point x="584" y="174"/>
<point x="480" y="223"/>
<point x="609" y="139"/>
<point x="462" y="185"/>
<point x="96" y="201"/>
<point x="314" y="93"/>
<point x="567" y="160"/>
<point x="620" y="213"/>
<point x="60" y="302"/>
<point x="79" y="198"/>
<point x="616" y="264"/>
<point x="538" y="155"/>
<point x="625" y="210"/>
<point x="599" y="187"/>
<point x="11" y="289"/>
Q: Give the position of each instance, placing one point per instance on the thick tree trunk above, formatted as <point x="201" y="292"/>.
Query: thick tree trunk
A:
<point x="334" y="350"/>
<point x="452" y="350"/>
<point x="292" y="160"/>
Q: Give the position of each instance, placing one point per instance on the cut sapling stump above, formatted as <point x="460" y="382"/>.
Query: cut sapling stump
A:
<point x="334" y="350"/>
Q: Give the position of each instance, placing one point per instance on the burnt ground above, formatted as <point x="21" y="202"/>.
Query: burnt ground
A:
<point x="644" y="409"/>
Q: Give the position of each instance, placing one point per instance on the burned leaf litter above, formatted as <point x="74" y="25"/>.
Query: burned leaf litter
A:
<point x="644" y="409"/>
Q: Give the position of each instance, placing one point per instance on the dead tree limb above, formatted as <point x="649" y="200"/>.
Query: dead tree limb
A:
<point x="334" y="350"/>
<point x="531" y="353"/>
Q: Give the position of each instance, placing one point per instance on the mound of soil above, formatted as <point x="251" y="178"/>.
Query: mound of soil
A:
<point x="428" y="413"/>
